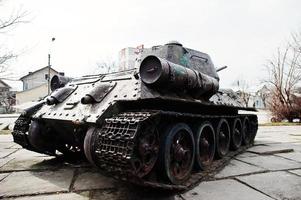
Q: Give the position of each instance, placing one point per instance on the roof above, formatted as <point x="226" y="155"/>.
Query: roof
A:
<point x="257" y="87"/>
<point x="4" y="83"/>
<point x="30" y="73"/>
<point x="15" y="85"/>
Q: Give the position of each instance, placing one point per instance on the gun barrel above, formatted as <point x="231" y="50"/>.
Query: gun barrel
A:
<point x="221" y="68"/>
<point x="157" y="72"/>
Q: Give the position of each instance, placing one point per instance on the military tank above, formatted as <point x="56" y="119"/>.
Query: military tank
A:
<point x="164" y="123"/>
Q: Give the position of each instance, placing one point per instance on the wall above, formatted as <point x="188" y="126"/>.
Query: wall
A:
<point x="36" y="79"/>
<point x="33" y="94"/>
<point x="127" y="57"/>
<point x="256" y="101"/>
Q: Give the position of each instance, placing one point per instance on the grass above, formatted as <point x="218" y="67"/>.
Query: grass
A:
<point x="281" y="124"/>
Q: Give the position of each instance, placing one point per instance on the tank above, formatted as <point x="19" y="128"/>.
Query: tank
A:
<point x="165" y="123"/>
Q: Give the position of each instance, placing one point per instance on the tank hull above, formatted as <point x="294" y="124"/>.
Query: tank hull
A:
<point x="116" y="157"/>
<point x="166" y="126"/>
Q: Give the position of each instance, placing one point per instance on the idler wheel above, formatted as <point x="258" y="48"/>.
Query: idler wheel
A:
<point x="88" y="145"/>
<point x="204" y="145"/>
<point x="254" y="127"/>
<point x="147" y="150"/>
<point x="37" y="137"/>
<point x="177" y="153"/>
<point x="222" y="138"/>
<point x="70" y="151"/>
<point x="236" y="136"/>
<point x="247" y="132"/>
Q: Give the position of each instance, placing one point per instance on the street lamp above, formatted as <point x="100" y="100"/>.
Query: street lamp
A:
<point x="49" y="65"/>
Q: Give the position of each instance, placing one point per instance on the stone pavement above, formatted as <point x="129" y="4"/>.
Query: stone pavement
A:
<point x="269" y="170"/>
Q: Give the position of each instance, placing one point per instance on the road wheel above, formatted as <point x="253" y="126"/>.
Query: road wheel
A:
<point x="147" y="150"/>
<point x="177" y="153"/>
<point x="236" y="136"/>
<point x="204" y="145"/>
<point x="88" y="145"/>
<point x="39" y="139"/>
<point x="254" y="128"/>
<point x="222" y="138"/>
<point x="247" y="131"/>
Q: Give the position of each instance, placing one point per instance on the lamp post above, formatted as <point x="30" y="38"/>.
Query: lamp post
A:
<point x="49" y="65"/>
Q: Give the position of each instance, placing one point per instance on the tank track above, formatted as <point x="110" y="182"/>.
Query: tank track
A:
<point x="20" y="129"/>
<point x="116" y="141"/>
<point x="20" y="134"/>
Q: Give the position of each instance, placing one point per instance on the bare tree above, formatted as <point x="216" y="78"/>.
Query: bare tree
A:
<point x="4" y="58"/>
<point x="7" y="24"/>
<point x="284" y="75"/>
<point x="242" y="90"/>
<point x="296" y="41"/>
<point x="106" y="66"/>
<point x="7" y="98"/>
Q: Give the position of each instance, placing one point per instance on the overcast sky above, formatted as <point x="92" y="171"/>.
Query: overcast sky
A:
<point x="236" y="33"/>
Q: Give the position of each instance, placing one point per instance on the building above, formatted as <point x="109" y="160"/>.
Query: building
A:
<point x="35" y="85"/>
<point x="4" y="97"/>
<point x="127" y="57"/>
<point x="8" y="89"/>
<point x="256" y="96"/>
<point x="4" y="87"/>
<point x="259" y="97"/>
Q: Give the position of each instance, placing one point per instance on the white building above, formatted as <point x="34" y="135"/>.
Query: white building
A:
<point x="127" y="57"/>
<point x="259" y="96"/>
<point x="8" y="89"/>
<point x="35" y="85"/>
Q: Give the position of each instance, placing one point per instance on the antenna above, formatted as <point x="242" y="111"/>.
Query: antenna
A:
<point x="221" y="68"/>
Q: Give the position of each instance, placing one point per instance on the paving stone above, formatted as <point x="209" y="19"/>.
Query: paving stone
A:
<point x="23" y="153"/>
<point x="133" y="194"/>
<point x="5" y="145"/>
<point x="106" y="188"/>
<point x="245" y="155"/>
<point x="295" y="146"/>
<point x="260" y="141"/>
<point x="4" y="125"/>
<point x="236" y="167"/>
<point x="88" y="179"/>
<point x="272" y="162"/>
<point x="62" y="196"/>
<point x="15" y="146"/>
<point x="3" y="161"/>
<point x="25" y="183"/>
<point x="297" y="172"/>
<point x="224" y="189"/>
<point x="34" y="163"/>
<point x="278" y="134"/>
<point x="280" y="185"/>
<point x="269" y="149"/>
<point x="6" y="138"/>
<point x="6" y="152"/>
<point x="296" y="156"/>
<point x="2" y="176"/>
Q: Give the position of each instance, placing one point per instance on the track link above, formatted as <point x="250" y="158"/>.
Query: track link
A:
<point x="20" y="131"/>
<point x="116" y="139"/>
<point x="115" y="142"/>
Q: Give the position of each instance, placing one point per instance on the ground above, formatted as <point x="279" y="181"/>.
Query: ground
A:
<point x="269" y="170"/>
